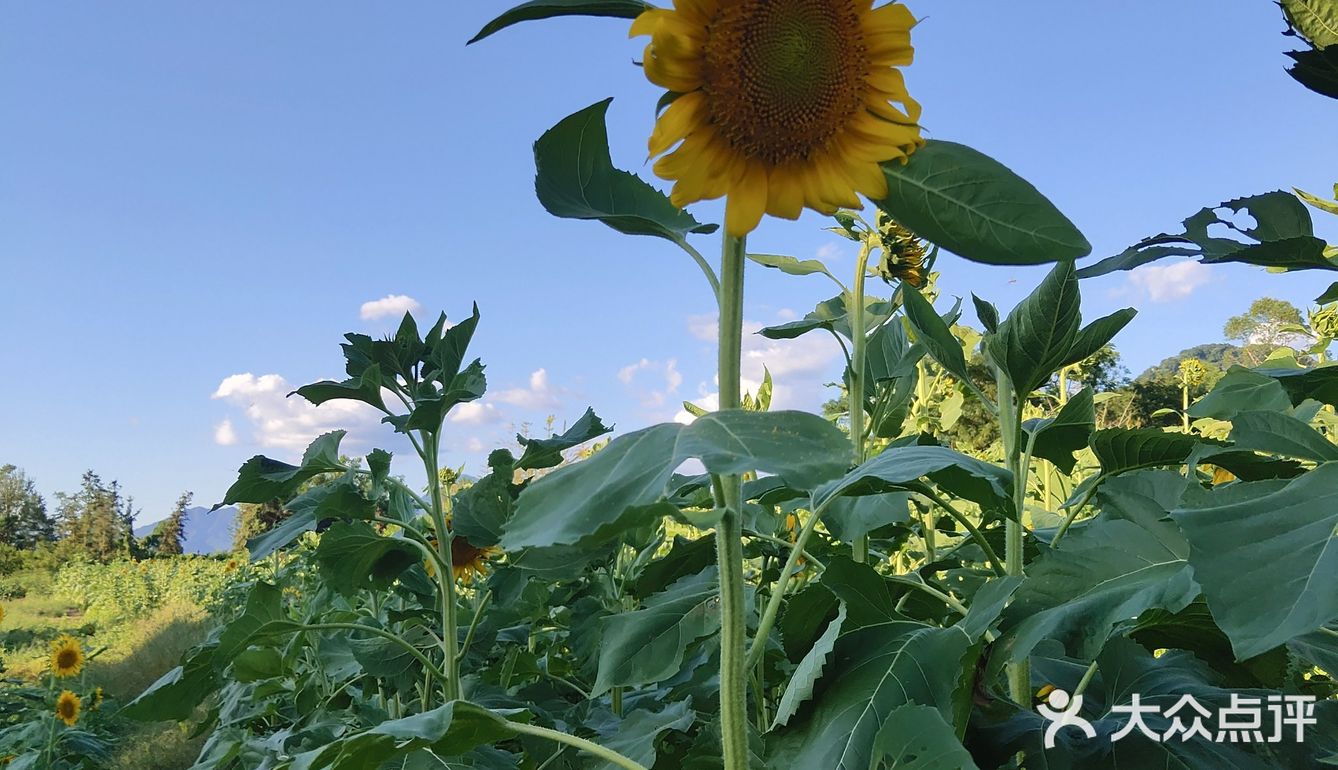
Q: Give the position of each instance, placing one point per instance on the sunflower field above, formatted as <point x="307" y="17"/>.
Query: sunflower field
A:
<point x="763" y="589"/>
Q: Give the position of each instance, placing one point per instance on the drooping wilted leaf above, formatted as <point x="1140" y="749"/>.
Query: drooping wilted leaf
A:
<point x="1283" y="236"/>
<point x="975" y="207"/>
<point x="576" y="179"/>
<point x="547" y="9"/>
<point x="547" y="452"/>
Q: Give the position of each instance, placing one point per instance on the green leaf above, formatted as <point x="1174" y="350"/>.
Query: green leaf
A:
<point x="1319" y="383"/>
<point x="1034" y="341"/>
<point x="176" y="694"/>
<point x="593" y="500"/>
<point x="637" y="732"/>
<point x="987" y="313"/>
<point x="1058" y="437"/>
<point x="934" y="333"/>
<point x="262" y="619"/>
<point x="257" y="664"/>
<point x="547" y="9"/>
<point x="365" y="388"/>
<point x="576" y="180"/>
<point x="831" y="315"/>
<point x="446" y="349"/>
<point x="868" y="598"/>
<point x="987" y="604"/>
<point x="1329" y="207"/>
<point x="1113" y="568"/>
<point x="447" y="730"/>
<point x="873" y="671"/>
<point x="1281" y="434"/>
<point x="547" y="452"/>
<point x="791" y="265"/>
<point x="1241" y="389"/>
<point x="851" y="518"/>
<point x="1316" y="20"/>
<point x="918" y="738"/>
<point x="1316" y="69"/>
<point x="899" y="467"/>
<point x="1120" y="450"/>
<point x="975" y="207"/>
<point x="1095" y="335"/>
<point x="480" y="511"/>
<point x="1330" y="294"/>
<point x="647" y="645"/>
<point x="685" y="557"/>
<point x="1283" y="236"/>
<point x="353" y="557"/>
<point x="1266" y="558"/>
<point x="806" y="675"/>
<point x="261" y="479"/>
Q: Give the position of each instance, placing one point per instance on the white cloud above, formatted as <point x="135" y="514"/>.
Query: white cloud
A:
<point x="703" y="327"/>
<point x="225" y="434"/>
<point x="1166" y="283"/>
<point x="800" y="368"/>
<point x="288" y="423"/>
<point x="475" y="413"/>
<point x="389" y="306"/>
<point x="540" y="394"/>
<point x="653" y="396"/>
<point x="830" y="250"/>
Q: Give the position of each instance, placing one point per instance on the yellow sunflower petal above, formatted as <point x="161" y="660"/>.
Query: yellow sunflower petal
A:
<point x="747" y="201"/>
<point x="681" y="118"/>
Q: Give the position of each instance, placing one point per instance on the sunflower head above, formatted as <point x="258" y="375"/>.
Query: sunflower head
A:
<point x="230" y="566"/>
<point x="779" y="105"/>
<point x="67" y="656"/>
<point x="903" y="253"/>
<point x="469" y="561"/>
<point x="67" y="708"/>
<point x="1193" y="373"/>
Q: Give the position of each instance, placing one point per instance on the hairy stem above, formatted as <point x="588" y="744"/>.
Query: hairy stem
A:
<point x="1010" y="428"/>
<point x="445" y="575"/>
<point x="729" y="532"/>
<point x="855" y="383"/>
<point x="589" y="747"/>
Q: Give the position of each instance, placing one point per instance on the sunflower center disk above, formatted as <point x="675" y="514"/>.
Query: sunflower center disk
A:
<point x="784" y="76"/>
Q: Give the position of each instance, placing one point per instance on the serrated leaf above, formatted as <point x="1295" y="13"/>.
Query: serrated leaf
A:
<point x="547" y="9"/>
<point x="806" y="675"/>
<point x="975" y="207"/>
<point x="576" y="180"/>
<point x="262" y="479"/>
<point x="1316" y="69"/>
<point x="1034" y="341"/>
<point x="647" y="645"/>
<point x="1316" y="20"/>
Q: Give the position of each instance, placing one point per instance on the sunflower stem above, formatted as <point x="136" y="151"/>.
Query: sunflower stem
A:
<point x="446" y="575"/>
<point x="1010" y="428"/>
<point x="729" y="532"/>
<point x="855" y="383"/>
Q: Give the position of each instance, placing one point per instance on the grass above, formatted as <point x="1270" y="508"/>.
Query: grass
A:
<point x="126" y="657"/>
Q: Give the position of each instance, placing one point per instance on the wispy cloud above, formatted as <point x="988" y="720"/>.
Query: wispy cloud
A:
<point x="287" y="423"/>
<point x="1167" y="283"/>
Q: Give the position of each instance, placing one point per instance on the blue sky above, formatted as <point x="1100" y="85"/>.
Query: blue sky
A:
<point x="197" y="201"/>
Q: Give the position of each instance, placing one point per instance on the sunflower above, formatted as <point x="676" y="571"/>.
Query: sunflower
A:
<point x="903" y="254"/>
<point x="468" y="560"/>
<point x="230" y="566"/>
<point x="67" y="656"/>
<point x="779" y="104"/>
<point x="67" y="708"/>
<point x="97" y="699"/>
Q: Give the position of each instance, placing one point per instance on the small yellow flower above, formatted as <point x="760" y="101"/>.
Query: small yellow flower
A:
<point x="67" y="657"/>
<point x="780" y="105"/>
<point x="67" y="708"/>
<point x="97" y="699"/>
<point x="230" y="566"/>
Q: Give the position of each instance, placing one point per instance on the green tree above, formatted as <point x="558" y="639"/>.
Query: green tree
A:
<point x="1269" y="324"/>
<point x="171" y="533"/>
<point x="23" y="518"/>
<point x="97" y="520"/>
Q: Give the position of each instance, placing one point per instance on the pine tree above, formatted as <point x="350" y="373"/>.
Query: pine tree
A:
<point x="97" y="520"/>
<point x="172" y="531"/>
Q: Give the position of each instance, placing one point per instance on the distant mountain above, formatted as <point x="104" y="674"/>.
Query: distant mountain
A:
<point x="205" y="532"/>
